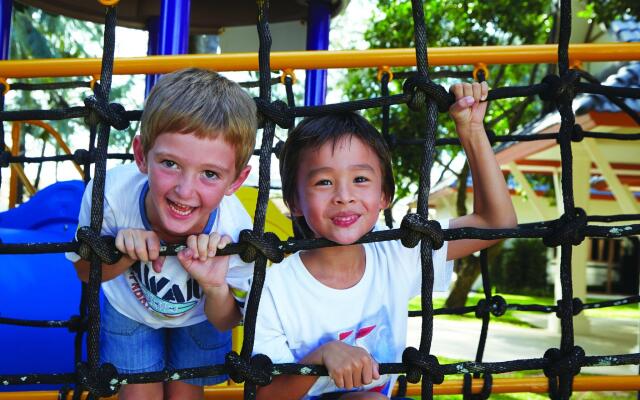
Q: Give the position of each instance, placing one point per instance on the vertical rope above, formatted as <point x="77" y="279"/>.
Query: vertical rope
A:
<point x="384" y="91"/>
<point x="565" y="380"/>
<point x="97" y="199"/>
<point x="264" y="183"/>
<point x="486" y="286"/>
<point x="431" y="115"/>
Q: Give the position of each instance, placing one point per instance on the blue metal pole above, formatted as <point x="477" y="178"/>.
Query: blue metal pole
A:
<point x="318" y="25"/>
<point x="172" y="31"/>
<point x="152" y="49"/>
<point x="6" y="7"/>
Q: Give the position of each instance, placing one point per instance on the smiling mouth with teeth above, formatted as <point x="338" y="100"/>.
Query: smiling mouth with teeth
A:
<point x="180" y="209"/>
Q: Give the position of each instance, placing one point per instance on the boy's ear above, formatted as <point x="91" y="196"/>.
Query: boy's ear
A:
<point x="293" y="207"/>
<point x="235" y="185"/>
<point x="384" y="201"/>
<point x="138" y="154"/>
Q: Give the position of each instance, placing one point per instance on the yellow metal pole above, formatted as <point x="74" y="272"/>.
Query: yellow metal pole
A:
<point x="18" y="171"/>
<point x="525" y="54"/>
<point x="454" y="386"/>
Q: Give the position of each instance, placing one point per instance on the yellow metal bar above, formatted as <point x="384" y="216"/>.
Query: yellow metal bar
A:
<point x="454" y="386"/>
<point x="526" y="54"/>
<point x="19" y="173"/>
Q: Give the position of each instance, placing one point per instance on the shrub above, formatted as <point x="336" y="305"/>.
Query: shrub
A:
<point x="521" y="268"/>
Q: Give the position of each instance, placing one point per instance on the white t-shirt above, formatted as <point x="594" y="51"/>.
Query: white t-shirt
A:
<point x="172" y="297"/>
<point x="297" y="313"/>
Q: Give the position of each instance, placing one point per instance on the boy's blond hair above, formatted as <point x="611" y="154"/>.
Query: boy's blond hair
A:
<point x="202" y="102"/>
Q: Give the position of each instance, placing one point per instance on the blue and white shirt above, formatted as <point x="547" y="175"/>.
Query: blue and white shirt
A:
<point x="172" y="297"/>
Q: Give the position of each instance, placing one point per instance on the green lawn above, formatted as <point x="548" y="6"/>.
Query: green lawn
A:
<point x="630" y="311"/>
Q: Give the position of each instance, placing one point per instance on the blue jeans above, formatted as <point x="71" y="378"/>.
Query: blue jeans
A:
<point x="133" y="347"/>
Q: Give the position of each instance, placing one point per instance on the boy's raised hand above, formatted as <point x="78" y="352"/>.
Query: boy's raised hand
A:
<point x="469" y="109"/>
<point x="349" y="366"/>
<point x="200" y="261"/>
<point x="139" y="244"/>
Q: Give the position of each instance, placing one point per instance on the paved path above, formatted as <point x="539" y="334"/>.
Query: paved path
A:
<point x="459" y="340"/>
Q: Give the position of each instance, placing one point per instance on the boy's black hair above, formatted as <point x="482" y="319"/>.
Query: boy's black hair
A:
<point x="313" y="132"/>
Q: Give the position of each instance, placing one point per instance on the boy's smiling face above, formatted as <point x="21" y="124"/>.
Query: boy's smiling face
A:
<point x="339" y="189"/>
<point x="188" y="176"/>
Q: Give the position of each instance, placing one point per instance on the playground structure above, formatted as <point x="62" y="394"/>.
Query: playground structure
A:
<point x="560" y="365"/>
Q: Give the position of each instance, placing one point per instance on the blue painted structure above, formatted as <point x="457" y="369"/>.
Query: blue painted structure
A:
<point x="168" y="34"/>
<point x="6" y="8"/>
<point x="39" y="286"/>
<point x="318" y="26"/>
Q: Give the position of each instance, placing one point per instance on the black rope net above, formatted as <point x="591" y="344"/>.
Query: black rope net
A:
<point x="420" y="93"/>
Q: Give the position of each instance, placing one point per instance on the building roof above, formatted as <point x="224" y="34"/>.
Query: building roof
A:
<point x="626" y="29"/>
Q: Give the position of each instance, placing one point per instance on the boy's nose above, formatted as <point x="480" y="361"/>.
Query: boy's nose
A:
<point x="185" y="187"/>
<point x="344" y="195"/>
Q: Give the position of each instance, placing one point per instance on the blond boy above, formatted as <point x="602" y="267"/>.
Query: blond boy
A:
<point x="197" y="135"/>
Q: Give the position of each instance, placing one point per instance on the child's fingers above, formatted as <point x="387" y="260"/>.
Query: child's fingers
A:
<point x="477" y="91"/>
<point x="185" y="256"/>
<point x="203" y="247"/>
<point x="140" y="244"/>
<point x="153" y="247"/>
<point x="130" y="246"/>
<point x="120" y="242"/>
<point x="457" y="90"/>
<point x="348" y="380"/>
<point x="213" y="243"/>
<point x="224" y="241"/>
<point x="157" y="264"/>
<point x="467" y="89"/>
<point x="338" y="380"/>
<point x="136" y="247"/>
<point x="461" y="104"/>
<point x="375" y="369"/>
<point x="367" y="371"/>
<point x="484" y="90"/>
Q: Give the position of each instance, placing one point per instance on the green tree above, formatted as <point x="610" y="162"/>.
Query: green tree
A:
<point x="470" y="23"/>
<point x="36" y="34"/>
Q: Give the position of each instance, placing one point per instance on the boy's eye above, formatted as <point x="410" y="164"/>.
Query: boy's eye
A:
<point x="168" y="163"/>
<point x="210" y="174"/>
<point x="361" y="179"/>
<point x="323" y="182"/>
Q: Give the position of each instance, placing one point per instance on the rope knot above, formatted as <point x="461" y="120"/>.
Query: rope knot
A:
<point x="416" y="227"/>
<point x="563" y="309"/>
<point x="418" y="364"/>
<point x="101" y="382"/>
<point x="269" y="245"/>
<point x="257" y="370"/>
<point x="82" y="156"/>
<point x="419" y="88"/>
<point x="559" y="87"/>
<point x="112" y="114"/>
<point x="577" y="134"/>
<point x="568" y="229"/>
<point x="78" y="324"/>
<point x="496" y="305"/>
<point x="103" y="246"/>
<point x="5" y="156"/>
<point x="277" y="149"/>
<point x="561" y="364"/>
<point x="277" y="111"/>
